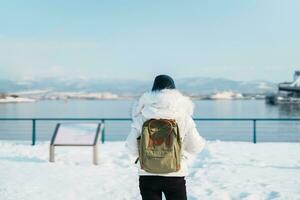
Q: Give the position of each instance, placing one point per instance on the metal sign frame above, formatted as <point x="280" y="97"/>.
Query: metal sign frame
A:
<point x="95" y="143"/>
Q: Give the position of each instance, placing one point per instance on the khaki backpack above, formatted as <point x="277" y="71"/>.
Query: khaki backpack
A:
<point x="160" y="146"/>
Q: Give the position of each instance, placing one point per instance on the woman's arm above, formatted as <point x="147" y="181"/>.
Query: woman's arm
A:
<point x="131" y="142"/>
<point x="136" y="127"/>
<point x="193" y="142"/>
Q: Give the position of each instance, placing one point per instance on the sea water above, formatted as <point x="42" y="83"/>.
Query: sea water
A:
<point x="118" y="130"/>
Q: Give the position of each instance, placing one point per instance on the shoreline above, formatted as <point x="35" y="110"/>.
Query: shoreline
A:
<point x="25" y="100"/>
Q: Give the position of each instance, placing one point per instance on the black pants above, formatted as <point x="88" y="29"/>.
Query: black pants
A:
<point x="152" y="187"/>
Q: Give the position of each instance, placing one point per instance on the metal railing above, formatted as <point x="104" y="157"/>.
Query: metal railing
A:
<point x="254" y="121"/>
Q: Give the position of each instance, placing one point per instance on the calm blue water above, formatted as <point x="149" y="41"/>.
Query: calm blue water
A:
<point x="242" y="131"/>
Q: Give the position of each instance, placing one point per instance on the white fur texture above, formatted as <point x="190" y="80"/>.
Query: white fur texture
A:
<point x="166" y="104"/>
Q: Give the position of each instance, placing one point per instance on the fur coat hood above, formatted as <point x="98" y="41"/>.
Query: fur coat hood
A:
<point x="167" y="103"/>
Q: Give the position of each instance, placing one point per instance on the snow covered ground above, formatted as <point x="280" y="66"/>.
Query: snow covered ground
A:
<point x="224" y="170"/>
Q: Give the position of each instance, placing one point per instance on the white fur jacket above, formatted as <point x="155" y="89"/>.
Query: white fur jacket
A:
<point x="166" y="104"/>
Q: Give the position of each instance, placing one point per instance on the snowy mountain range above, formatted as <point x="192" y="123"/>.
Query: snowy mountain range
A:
<point x="191" y="86"/>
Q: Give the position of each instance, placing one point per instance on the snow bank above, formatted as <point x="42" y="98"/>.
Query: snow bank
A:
<point x="80" y="95"/>
<point x="15" y="100"/>
<point x="26" y="96"/>
<point x="224" y="170"/>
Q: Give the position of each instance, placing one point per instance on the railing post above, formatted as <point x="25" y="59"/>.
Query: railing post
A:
<point x="33" y="132"/>
<point x="103" y="132"/>
<point x="254" y="131"/>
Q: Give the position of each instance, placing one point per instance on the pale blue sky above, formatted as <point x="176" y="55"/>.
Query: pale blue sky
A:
<point x="236" y="39"/>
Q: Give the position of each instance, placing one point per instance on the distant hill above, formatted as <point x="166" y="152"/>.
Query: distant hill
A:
<point x="192" y="86"/>
<point x="211" y="85"/>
